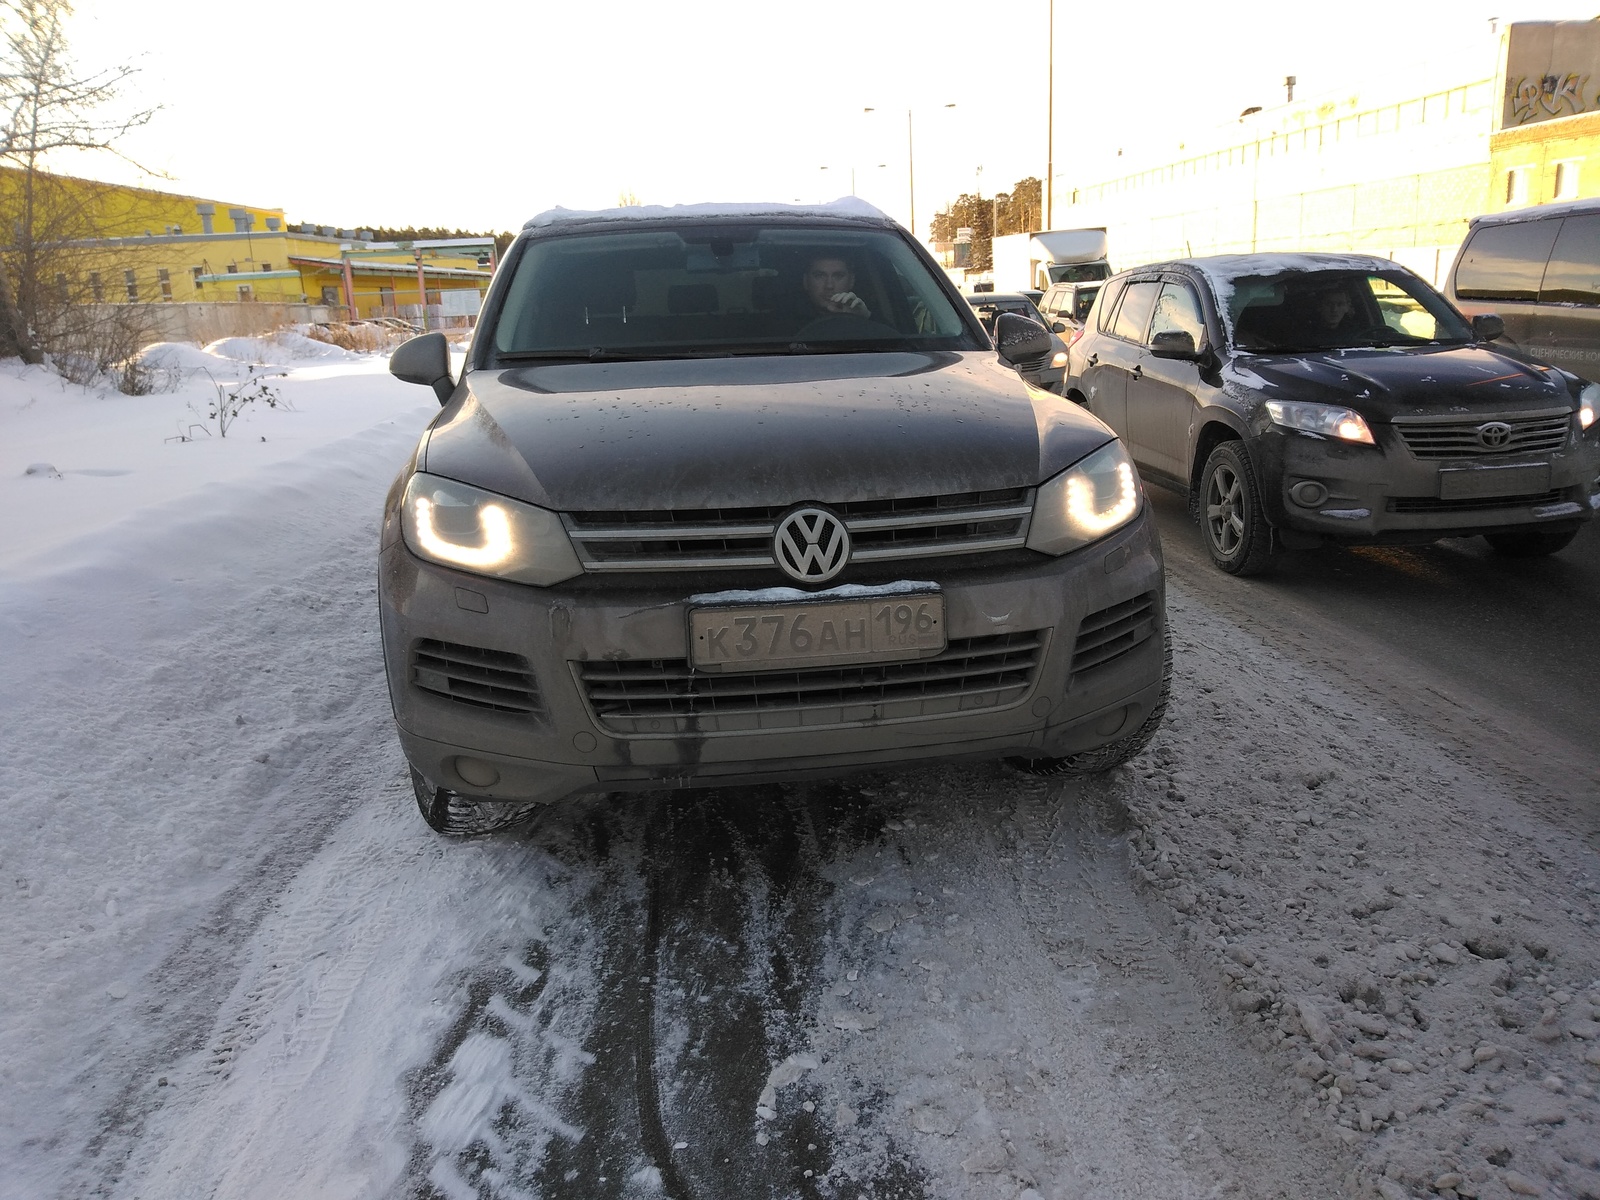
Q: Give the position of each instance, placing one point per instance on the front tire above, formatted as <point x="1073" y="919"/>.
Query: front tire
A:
<point x="454" y="815"/>
<point x="1530" y="543"/>
<point x="1112" y="754"/>
<point x="1237" y="535"/>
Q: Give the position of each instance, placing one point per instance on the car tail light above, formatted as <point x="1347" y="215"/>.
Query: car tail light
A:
<point x="1076" y="334"/>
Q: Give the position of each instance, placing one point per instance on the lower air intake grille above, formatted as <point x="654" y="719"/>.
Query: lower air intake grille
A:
<point x="665" y="696"/>
<point x="490" y="679"/>
<point x="1429" y="504"/>
<point x="1107" y="635"/>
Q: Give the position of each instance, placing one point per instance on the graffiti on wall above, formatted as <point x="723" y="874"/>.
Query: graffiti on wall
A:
<point x="1540" y="96"/>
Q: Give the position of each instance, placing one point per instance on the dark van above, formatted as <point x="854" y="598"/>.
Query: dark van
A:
<point x="1539" y="268"/>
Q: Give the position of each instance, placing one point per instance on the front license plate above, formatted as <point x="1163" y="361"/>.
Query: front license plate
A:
<point x="1464" y="483"/>
<point x="767" y="637"/>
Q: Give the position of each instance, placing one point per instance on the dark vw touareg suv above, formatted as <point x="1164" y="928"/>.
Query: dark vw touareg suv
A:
<point x="732" y="494"/>
<point x="1304" y="399"/>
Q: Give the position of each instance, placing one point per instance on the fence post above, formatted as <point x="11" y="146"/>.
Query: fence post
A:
<point x="422" y="293"/>
<point x="349" y="284"/>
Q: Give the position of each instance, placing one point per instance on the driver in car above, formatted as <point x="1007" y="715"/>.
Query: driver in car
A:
<point x="830" y="286"/>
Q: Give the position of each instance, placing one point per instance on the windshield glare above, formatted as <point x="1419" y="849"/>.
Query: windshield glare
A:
<point x="1332" y="310"/>
<point x="700" y="289"/>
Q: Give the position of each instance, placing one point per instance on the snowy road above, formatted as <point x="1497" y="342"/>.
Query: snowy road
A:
<point x="1312" y="944"/>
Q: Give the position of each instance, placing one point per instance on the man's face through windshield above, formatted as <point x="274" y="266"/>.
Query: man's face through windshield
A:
<point x="1334" y="308"/>
<point x="826" y="278"/>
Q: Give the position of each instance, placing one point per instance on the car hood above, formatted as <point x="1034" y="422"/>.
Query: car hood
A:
<point x="1382" y="384"/>
<point x="757" y="431"/>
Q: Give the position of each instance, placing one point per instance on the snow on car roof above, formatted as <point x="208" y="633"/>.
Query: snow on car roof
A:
<point x="1221" y="267"/>
<point x="845" y="206"/>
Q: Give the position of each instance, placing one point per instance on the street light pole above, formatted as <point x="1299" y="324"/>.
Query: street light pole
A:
<point x="911" y="171"/>
<point x="911" y="165"/>
<point x="1050" y="128"/>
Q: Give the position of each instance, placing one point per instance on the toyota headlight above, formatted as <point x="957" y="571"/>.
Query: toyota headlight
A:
<point x="1085" y="502"/>
<point x="1588" y="405"/>
<point x="1326" y="419"/>
<point x="467" y="528"/>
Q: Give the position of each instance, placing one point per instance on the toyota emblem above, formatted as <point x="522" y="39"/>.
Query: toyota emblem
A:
<point x="811" y="545"/>
<point x="1493" y="435"/>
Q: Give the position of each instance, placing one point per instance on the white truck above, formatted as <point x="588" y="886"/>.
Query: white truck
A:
<point x="1034" y="261"/>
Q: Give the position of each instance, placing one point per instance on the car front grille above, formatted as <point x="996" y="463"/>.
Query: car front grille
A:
<point x="471" y="675"/>
<point x="664" y="696"/>
<point x="1454" y="438"/>
<point x="880" y="530"/>
<point x="1107" y="635"/>
<point x="1431" y="504"/>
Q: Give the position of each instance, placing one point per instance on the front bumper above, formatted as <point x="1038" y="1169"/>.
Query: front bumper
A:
<point x="1384" y="494"/>
<point x="565" y="743"/>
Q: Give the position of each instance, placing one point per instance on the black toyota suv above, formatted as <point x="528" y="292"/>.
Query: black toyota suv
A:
<point x="735" y="494"/>
<point x="1304" y="399"/>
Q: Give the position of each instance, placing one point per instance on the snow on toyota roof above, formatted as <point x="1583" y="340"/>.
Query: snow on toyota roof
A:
<point x="845" y="206"/>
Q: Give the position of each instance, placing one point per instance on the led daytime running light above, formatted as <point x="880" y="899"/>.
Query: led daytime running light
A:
<point x="1080" y="502"/>
<point x="492" y="519"/>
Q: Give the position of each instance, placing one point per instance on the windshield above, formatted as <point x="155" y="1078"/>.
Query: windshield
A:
<point x="987" y="310"/>
<point x="1333" y="310"/>
<point x="717" y="290"/>
<point x="1078" y="273"/>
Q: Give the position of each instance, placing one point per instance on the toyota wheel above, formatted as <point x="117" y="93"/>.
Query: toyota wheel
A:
<point x="1236" y="530"/>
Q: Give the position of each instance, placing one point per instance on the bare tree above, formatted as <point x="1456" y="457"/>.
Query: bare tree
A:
<point x="47" y="105"/>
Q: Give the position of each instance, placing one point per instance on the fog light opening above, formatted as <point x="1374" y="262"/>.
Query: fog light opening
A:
<point x="1112" y="722"/>
<point x="1308" y="493"/>
<point x="477" y="772"/>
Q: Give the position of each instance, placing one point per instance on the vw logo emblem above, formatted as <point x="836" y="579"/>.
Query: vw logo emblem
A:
<point x="811" y="545"/>
<point x="1493" y="435"/>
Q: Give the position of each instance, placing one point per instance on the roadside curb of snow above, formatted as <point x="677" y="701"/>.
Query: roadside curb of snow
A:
<point x="1414" y="949"/>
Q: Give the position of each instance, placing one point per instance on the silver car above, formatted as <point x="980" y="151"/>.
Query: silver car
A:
<point x="732" y="495"/>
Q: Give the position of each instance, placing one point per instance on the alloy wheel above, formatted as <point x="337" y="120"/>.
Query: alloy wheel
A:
<point x="1224" y="510"/>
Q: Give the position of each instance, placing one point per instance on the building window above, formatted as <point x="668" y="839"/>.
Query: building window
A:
<point x="233" y="268"/>
<point x="330" y="295"/>
<point x="1567" y="180"/>
<point x="96" y="288"/>
<point x="246" y="292"/>
<point x="196" y="272"/>
<point x="131" y="282"/>
<point x="164" y="278"/>
<point x="63" y="288"/>
<point x="266" y="266"/>
<point x="1517" y="186"/>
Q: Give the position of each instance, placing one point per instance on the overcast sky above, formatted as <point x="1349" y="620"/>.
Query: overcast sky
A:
<point x="479" y="113"/>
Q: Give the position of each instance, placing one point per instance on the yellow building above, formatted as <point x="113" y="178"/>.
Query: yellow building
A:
<point x="116" y="244"/>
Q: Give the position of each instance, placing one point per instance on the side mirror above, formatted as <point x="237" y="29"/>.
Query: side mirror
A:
<point x="1175" y="343"/>
<point x="1058" y="327"/>
<point x="1019" y="341"/>
<point x="1488" y="326"/>
<point x="425" y="360"/>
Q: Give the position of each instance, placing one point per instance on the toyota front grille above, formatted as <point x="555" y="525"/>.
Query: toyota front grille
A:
<point x="1451" y="437"/>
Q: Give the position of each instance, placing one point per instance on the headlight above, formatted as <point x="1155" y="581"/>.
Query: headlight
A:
<point x="467" y="528"/>
<point x="1588" y="405"/>
<point x="1060" y="359"/>
<point x="1326" y="419"/>
<point x="1085" y="502"/>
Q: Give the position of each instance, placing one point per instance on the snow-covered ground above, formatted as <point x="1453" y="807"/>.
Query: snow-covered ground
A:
<point x="1303" y="947"/>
